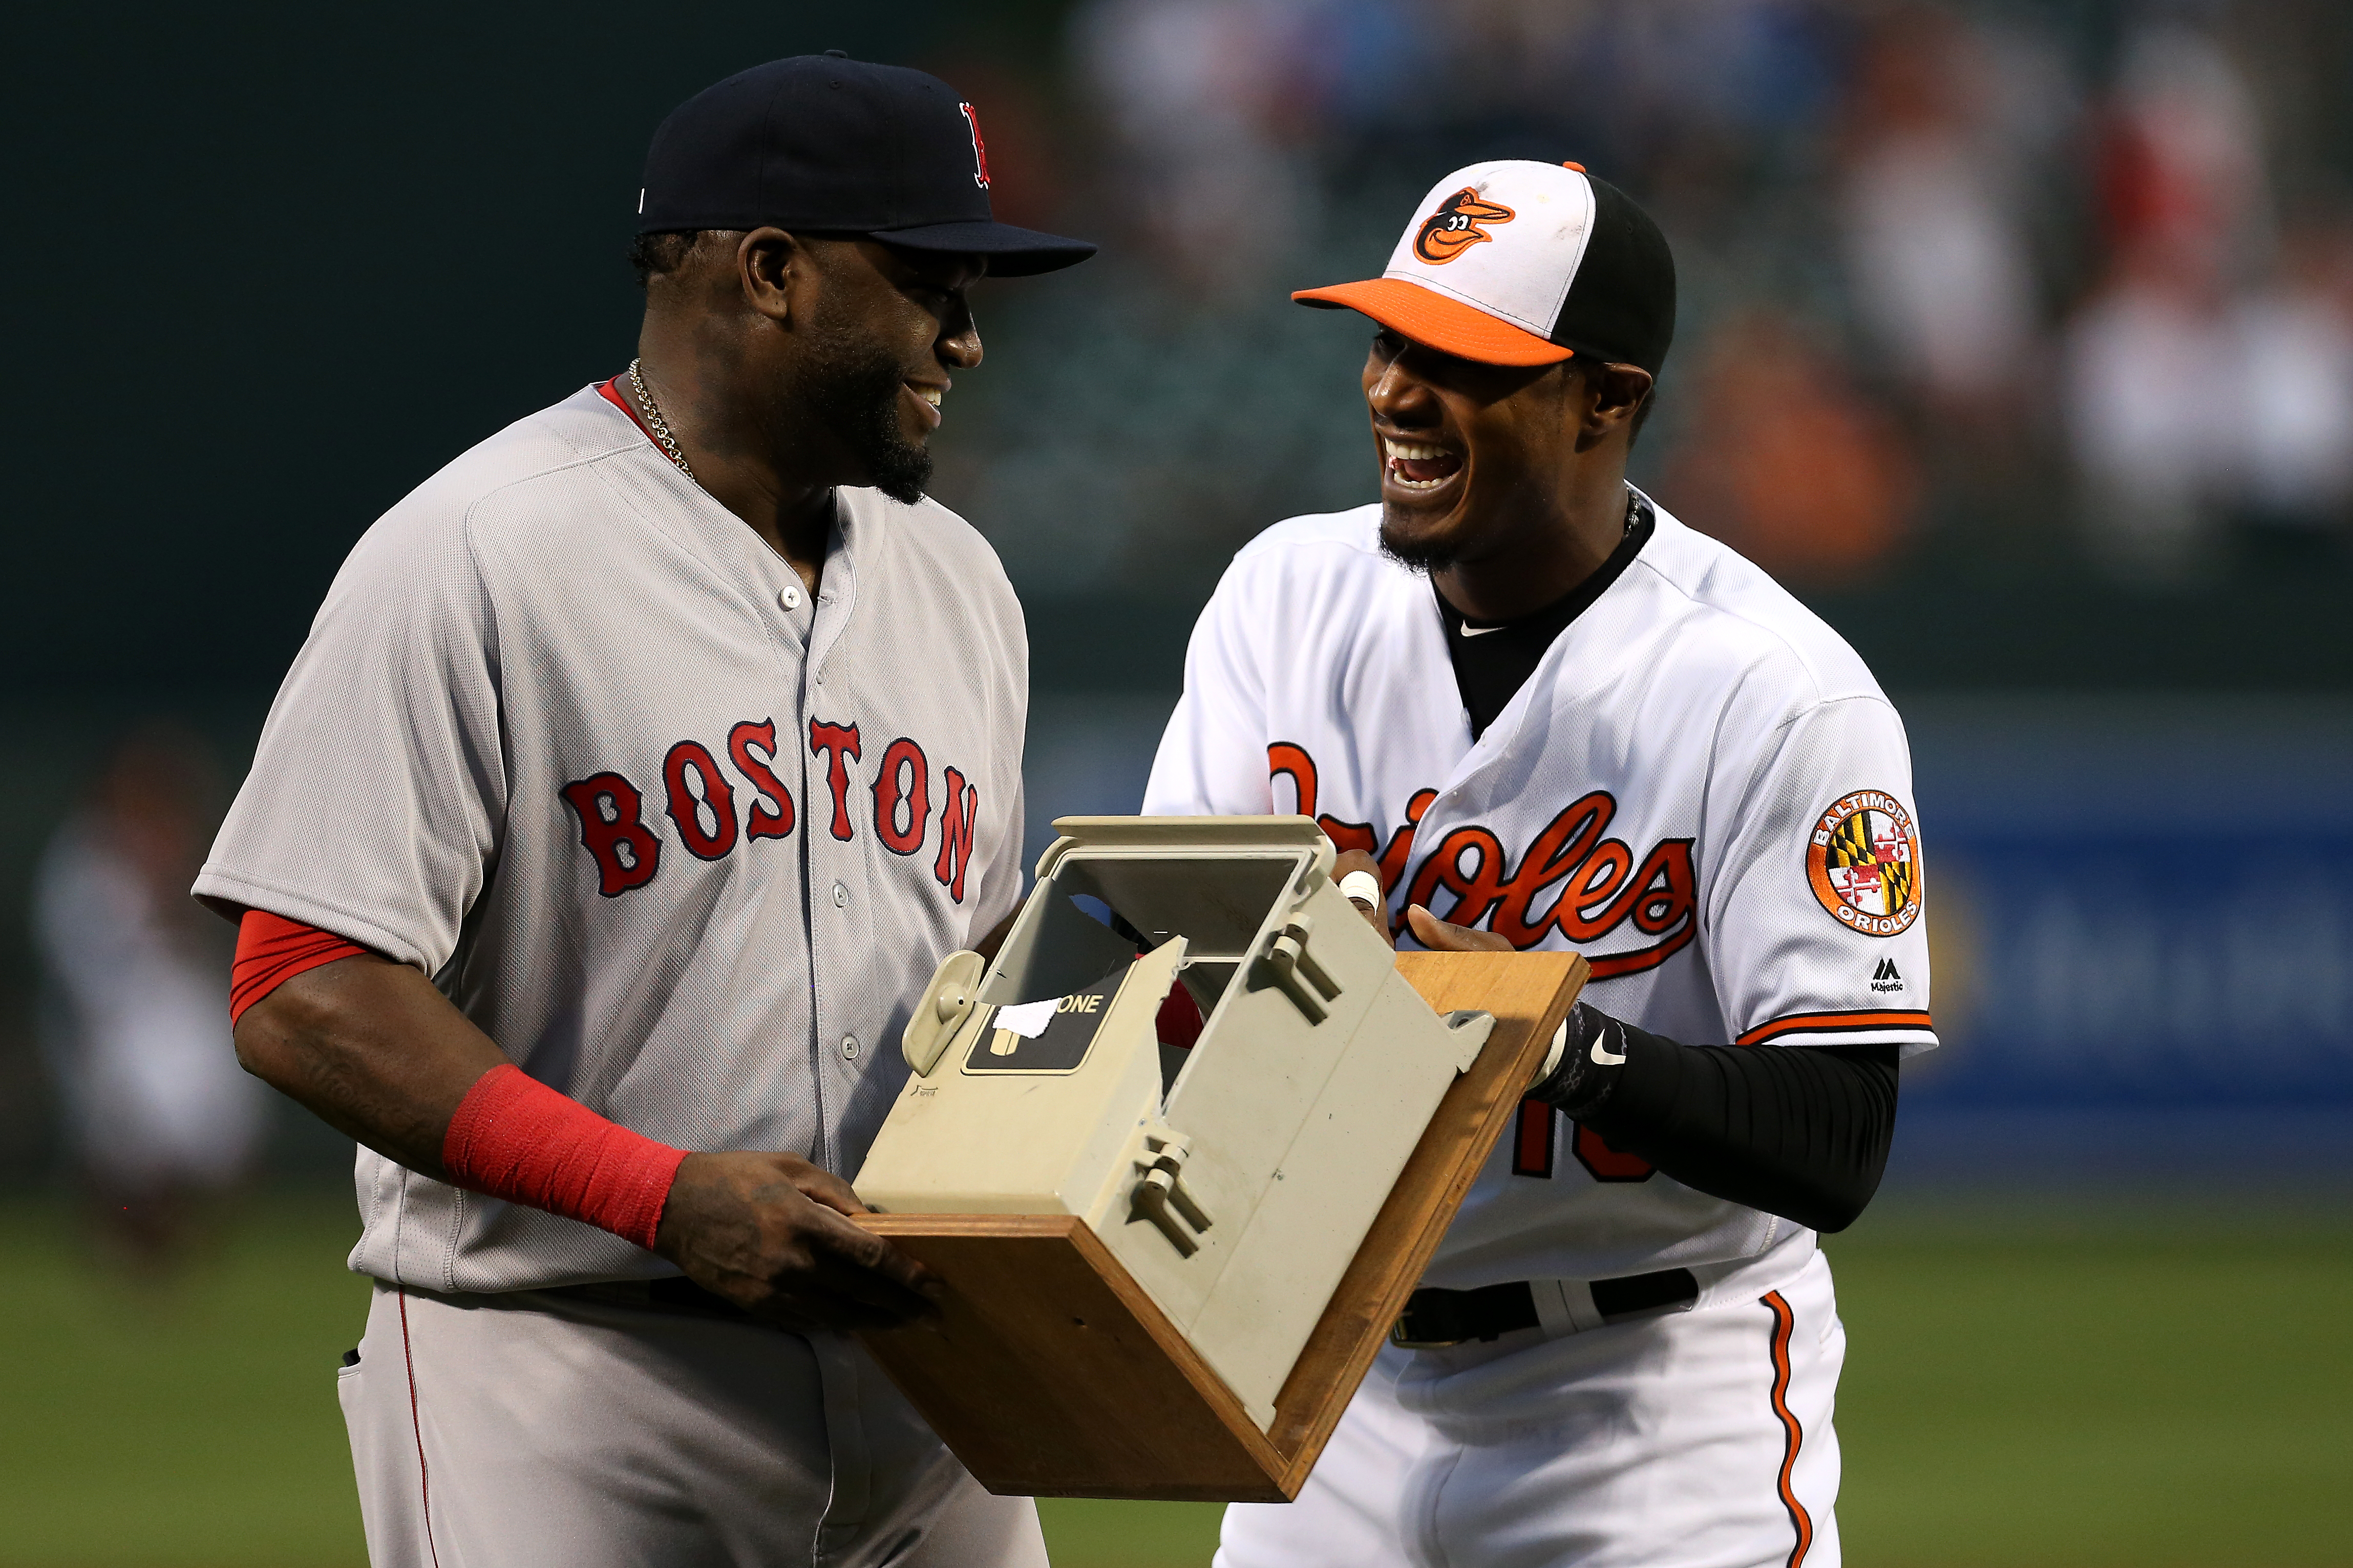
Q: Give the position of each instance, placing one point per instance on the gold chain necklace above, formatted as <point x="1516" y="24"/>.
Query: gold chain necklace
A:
<point x="656" y="422"/>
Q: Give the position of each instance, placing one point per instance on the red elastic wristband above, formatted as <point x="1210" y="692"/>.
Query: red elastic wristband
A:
<point x="272" y="950"/>
<point x="514" y="1138"/>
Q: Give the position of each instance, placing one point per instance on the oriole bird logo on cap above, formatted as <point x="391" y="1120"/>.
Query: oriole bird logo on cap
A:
<point x="1454" y="229"/>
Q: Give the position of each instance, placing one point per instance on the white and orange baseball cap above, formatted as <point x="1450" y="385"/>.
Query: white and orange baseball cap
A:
<point x="1511" y="262"/>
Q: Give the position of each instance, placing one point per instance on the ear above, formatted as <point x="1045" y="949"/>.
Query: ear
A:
<point x="776" y="273"/>
<point x="1614" y="394"/>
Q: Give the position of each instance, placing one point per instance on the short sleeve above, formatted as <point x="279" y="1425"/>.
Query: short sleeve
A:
<point x="1212" y="756"/>
<point x="1814" y="906"/>
<point x="378" y="790"/>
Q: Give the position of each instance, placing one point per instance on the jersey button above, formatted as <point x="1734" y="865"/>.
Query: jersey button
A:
<point x="841" y="897"/>
<point x="850" y="1047"/>
<point x="790" y="598"/>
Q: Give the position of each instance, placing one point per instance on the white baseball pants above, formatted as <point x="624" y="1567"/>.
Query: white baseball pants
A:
<point x="1701" y="1439"/>
<point x="542" y="1431"/>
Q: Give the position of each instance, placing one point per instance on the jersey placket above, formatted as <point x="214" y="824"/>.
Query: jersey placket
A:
<point x="835" y="889"/>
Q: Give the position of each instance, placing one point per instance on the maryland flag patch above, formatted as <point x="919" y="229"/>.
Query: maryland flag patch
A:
<point x="1864" y="861"/>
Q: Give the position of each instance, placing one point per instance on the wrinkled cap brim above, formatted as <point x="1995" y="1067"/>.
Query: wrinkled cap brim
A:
<point x="1429" y="317"/>
<point x="1011" y="252"/>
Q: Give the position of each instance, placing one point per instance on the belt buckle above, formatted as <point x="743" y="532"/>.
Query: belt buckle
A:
<point x="1397" y="1338"/>
<point x="1400" y="1337"/>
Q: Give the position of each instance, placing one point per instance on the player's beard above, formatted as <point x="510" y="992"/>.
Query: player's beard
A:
<point x="1427" y="555"/>
<point x="852" y="387"/>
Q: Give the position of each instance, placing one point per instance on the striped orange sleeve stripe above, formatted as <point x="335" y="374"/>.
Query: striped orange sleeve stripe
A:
<point x="1834" y="1022"/>
<point x="1793" y="1435"/>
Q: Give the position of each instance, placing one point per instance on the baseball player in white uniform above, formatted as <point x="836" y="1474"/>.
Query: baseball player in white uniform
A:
<point x="639" y="768"/>
<point x="1539" y="712"/>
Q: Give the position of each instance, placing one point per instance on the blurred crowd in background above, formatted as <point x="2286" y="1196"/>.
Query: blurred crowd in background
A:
<point x="2069" y="287"/>
<point x="158" y="1123"/>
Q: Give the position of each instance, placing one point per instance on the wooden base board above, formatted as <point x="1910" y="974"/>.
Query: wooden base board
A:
<point x="1051" y="1373"/>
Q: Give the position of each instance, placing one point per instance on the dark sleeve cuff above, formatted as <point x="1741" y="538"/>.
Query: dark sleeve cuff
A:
<point x="1799" y="1131"/>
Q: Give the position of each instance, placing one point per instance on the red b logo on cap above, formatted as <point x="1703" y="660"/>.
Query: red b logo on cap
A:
<point x="1454" y="229"/>
<point x="979" y="148"/>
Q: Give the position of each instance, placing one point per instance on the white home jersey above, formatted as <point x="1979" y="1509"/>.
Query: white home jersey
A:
<point x="682" y="839"/>
<point x="1701" y="789"/>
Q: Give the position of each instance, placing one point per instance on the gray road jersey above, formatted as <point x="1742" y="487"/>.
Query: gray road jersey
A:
<point x="686" y="842"/>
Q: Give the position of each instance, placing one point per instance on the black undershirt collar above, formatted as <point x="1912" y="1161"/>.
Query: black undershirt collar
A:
<point x="1494" y="660"/>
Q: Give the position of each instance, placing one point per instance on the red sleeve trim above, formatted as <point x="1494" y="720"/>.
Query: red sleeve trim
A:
<point x="272" y="950"/>
<point x="514" y="1138"/>
<point x="1835" y="1024"/>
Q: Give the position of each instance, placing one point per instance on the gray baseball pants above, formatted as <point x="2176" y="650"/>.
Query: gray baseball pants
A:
<point x="536" y="1430"/>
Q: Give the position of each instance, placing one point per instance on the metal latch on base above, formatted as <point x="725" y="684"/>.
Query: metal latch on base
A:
<point x="1161" y="1197"/>
<point x="1289" y="967"/>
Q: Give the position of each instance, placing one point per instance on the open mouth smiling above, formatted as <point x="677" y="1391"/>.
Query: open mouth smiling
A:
<point x="1417" y="465"/>
<point x="930" y="397"/>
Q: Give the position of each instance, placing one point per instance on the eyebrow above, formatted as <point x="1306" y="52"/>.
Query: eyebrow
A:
<point x="944" y="275"/>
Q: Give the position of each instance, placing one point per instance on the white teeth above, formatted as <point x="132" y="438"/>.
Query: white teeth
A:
<point x="929" y="395"/>
<point x="1413" y="452"/>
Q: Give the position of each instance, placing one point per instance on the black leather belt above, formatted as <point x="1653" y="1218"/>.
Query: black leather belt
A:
<point x="1434" y="1319"/>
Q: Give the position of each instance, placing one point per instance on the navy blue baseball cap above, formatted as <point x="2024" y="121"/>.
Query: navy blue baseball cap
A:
<point x="832" y="145"/>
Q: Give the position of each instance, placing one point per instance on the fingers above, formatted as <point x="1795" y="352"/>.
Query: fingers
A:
<point x="1359" y="877"/>
<point x="872" y="1274"/>
<point x="770" y="1233"/>
<point x="843" y="1258"/>
<point x="827" y="1273"/>
<point x="820" y="1186"/>
<point x="874" y="1255"/>
<point x="1440" y="936"/>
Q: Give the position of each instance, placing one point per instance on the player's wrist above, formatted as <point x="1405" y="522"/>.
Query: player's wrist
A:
<point x="514" y="1138"/>
<point x="1587" y="1070"/>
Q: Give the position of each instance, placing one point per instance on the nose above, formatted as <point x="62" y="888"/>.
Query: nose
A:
<point x="1399" y="397"/>
<point x="959" y="340"/>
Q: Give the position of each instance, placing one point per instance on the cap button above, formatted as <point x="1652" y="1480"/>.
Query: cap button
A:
<point x="838" y="54"/>
<point x="1578" y="167"/>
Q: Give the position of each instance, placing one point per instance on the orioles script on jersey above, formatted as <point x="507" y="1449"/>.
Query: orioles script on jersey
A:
<point x="700" y="801"/>
<point x="1594" y="884"/>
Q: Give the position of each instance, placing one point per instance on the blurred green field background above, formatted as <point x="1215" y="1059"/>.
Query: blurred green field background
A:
<point x="2093" y="1385"/>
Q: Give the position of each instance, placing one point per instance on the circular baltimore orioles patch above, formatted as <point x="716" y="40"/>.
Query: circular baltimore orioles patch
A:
<point x="1864" y="863"/>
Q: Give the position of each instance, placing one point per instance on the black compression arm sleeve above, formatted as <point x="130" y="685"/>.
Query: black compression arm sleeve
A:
<point x="1801" y="1131"/>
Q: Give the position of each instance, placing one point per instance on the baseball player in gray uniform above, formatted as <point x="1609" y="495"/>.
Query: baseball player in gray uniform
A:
<point x="638" y="769"/>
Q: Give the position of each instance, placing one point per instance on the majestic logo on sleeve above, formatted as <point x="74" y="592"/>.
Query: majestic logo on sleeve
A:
<point x="1454" y="229"/>
<point x="1864" y="863"/>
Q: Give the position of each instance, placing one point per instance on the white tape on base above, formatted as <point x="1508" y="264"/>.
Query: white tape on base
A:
<point x="1028" y="1019"/>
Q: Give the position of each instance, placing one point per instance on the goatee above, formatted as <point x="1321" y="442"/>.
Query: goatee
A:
<point x="852" y="389"/>
<point x="1415" y="557"/>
